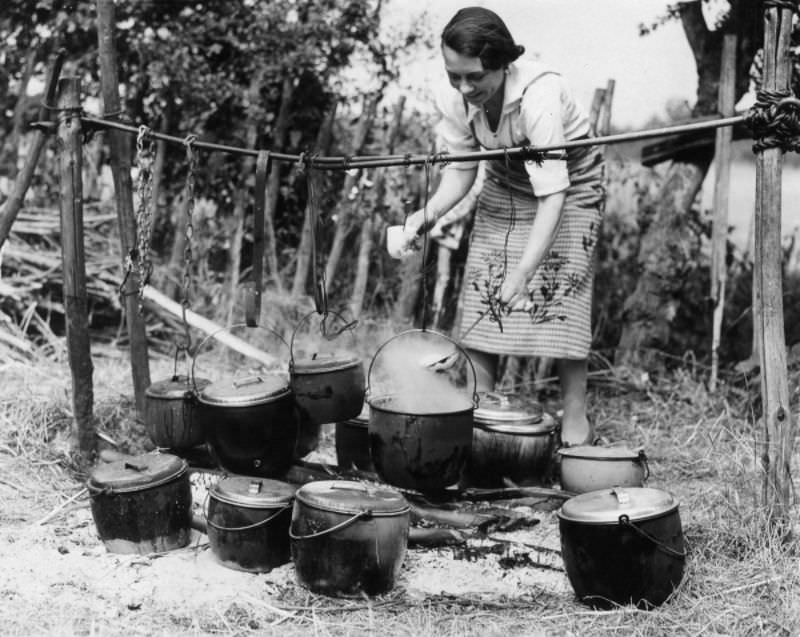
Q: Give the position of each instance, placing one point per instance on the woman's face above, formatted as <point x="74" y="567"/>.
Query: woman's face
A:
<point x="468" y="76"/>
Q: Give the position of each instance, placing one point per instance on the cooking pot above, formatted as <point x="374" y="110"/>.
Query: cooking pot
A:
<point x="421" y="441"/>
<point x="248" y="522"/>
<point x="251" y="423"/>
<point x="142" y="504"/>
<point x="348" y="538"/>
<point x="512" y="438"/>
<point x="328" y="387"/>
<point x="352" y="442"/>
<point x="589" y="468"/>
<point x="622" y="546"/>
<point x="170" y="413"/>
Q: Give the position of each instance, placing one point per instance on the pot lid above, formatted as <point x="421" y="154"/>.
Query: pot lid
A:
<point x="511" y="413"/>
<point x="602" y="452"/>
<point x="247" y="391"/>
<point x="343" y="496"/>
<point x="175" y="387"/>
<point x="135" y="473"/>
<point x="255" y="493"/>
<point x="318" y="363"/>
<point x="607" y="505"/>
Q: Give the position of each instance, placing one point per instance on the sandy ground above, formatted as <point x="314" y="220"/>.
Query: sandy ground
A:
<point x="60" y="569"/>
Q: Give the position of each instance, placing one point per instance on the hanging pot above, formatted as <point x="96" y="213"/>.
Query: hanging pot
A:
<point x="328" y="387"/>
<point x="348" y="538"/>
<point x="589" y="468"/>
<point x="142" y="504"/>
<point x="512" y="438"/>
<point x="622" y="546"/>
<point x="248" y="522"/>
<point x="170" y="413"/>
<point x="421" y="441"/>
<point x="352" y="442"/>
<point x="251" y="424"/>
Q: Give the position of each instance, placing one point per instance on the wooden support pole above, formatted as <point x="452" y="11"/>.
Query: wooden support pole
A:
<point x="70" y="160"/>
<point x="779" y="430"/>
<point x="119" y="145"/>
<point x="722" y="180"/>
<point x="13" y="204"/>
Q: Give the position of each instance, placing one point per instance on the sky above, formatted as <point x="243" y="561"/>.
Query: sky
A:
<point x="589" y="42"/>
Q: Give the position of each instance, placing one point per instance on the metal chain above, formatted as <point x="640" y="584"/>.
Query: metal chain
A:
<point x="140" y="259"/>
<point x="191" y="158"/>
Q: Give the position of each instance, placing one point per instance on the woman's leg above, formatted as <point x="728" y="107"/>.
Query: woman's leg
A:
<point x="485" y="369"/>
<point x="575" y="427"/>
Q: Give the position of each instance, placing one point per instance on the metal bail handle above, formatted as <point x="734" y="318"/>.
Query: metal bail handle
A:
<point x="345" y="326"/>
<point x="195" y="391"/>
<point x="252" y="295"/>
<point x="475" y="397"/>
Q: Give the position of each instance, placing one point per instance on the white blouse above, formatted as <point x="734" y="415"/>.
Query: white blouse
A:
<point x="539" y="109"/>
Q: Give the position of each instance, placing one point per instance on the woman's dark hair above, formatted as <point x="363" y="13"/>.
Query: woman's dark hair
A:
<point x="480" y="33"/>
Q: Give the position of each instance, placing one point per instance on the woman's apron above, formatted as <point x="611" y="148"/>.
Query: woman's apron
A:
<point x="557" y="321"/>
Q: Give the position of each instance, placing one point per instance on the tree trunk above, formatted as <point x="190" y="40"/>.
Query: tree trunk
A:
<point x="240" y="197"/>
<point x="371" y="220"/>
<point x="10" y="151"/>
<point x="304" y="249"/>
<point x="274" y="182"/>
<point x="344" y="211"/>
<point x="664" y="248"/>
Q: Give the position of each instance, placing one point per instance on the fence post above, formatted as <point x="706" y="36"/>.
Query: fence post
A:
<point x="73" y="260"/>
<point x="779" y="431"/>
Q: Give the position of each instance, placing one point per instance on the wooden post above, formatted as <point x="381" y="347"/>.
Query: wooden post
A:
<point x="15" y="200"/>
<point x="121" y="168"/>
<point x="70" y="160"/>
<point x="779" y="431"/>
<point x="604" y="120"/>
<point x="722" y="180"/>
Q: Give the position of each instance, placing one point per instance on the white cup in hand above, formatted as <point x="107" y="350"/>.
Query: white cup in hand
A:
<point x="398" y="244"/>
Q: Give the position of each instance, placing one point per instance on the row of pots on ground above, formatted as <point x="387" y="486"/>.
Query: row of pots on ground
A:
<point x="258" y="425"/>
<point x="346" y="538"/>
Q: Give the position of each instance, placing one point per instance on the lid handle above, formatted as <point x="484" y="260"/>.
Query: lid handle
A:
<point x="501" y="400"/>
<point x="255" y="487"/>
<point x="135" y="466"/>
<point x="623" y="497"/>
<point x="250" y="380"/>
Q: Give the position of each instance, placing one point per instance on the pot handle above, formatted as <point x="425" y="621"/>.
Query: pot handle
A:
<point x="328" y="335"/>
<point x="336" y="527"/>
<point x="625" y="521"/>
<point x="475" y="397"/>
<point x="246" y="527"/>
<point x="212" y="335"/>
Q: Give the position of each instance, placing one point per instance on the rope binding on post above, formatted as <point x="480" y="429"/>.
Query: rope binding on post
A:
<point x="774" y="120"/>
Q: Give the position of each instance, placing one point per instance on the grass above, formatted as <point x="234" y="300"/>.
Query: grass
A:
<point x="741" y="579"/>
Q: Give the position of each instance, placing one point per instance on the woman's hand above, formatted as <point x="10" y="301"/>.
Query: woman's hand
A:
<point x="411" y="229"/>
<point x="514" y="291"/>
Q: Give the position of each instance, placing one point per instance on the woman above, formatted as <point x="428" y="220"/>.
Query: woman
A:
<point x="529" y="271"/>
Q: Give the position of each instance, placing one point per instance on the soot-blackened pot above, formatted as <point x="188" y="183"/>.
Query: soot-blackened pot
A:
<point x="622" y="546"/>
<point x="348" y="538"/>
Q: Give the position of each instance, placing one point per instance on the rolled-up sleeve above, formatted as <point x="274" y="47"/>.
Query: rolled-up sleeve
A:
<point x="453" y="132"/>
<point x="541" y="122"/>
